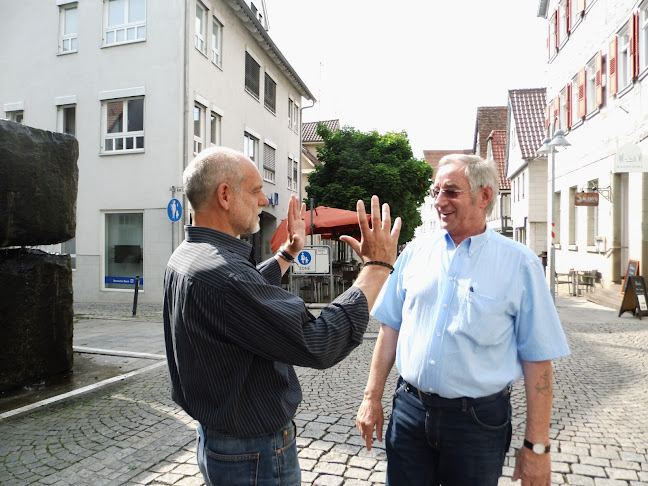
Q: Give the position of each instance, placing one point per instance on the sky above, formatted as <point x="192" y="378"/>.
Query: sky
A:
<point x="419" y="66"/>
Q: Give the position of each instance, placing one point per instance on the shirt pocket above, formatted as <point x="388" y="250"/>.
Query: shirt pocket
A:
<point x="482" y="319"/>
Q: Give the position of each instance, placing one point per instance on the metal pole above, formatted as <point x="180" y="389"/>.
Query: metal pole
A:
<point x="552" y="249"/>
<point x="135" y="295"/>
<point x="312" y="227"/>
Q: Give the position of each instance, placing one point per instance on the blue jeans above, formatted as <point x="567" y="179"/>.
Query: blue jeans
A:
<point x="266" y="460"/>
<point x="440" y="443"/>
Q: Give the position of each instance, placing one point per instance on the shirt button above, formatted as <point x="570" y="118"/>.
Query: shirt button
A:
<point x="445" y="306"/>
<point x="438" y="334"/>
<point x="432" y="362"/>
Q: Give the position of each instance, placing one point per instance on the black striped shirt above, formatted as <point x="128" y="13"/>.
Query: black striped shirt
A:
<point x="233" y="335"/>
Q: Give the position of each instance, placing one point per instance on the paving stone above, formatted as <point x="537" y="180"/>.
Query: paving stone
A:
<point x="625" y="474"/>
<point x="576" y="480"/>
<point x="326" y="480"/>
<point x="585" y="470"/>
<point x="356" y="473"/>
<point x="329" y="468"/>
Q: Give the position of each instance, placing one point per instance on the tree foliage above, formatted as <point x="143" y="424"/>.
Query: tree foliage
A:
<point x="357" y="165"/>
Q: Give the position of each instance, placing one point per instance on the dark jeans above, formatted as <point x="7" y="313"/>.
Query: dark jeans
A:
<point x="443" y="444"/>
<point x="267" y="460"/>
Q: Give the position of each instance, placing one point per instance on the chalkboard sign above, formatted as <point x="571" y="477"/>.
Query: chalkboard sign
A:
<point x="631" y="271"/>
<point x="635" y="298"/>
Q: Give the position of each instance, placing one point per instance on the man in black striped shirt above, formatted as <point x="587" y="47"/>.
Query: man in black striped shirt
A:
<point x="233" y="334"/>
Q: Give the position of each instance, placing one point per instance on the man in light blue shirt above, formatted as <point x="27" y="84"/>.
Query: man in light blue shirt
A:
<point x="465" y="314"/>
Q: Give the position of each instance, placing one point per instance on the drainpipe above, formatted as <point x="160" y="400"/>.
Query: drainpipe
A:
<point x="185" y="112"/>
<point x="301" y="118"/>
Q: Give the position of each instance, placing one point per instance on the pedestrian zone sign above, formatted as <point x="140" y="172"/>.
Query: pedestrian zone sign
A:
<point x="313" y="259"/>
<point x="174" y="210"/>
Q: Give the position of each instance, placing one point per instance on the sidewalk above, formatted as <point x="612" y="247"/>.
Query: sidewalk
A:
<point x="128" y="431"/>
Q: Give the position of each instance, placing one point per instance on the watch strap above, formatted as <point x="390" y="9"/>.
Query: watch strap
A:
<point x="285" y="255"/>
<point x="535" y="447"/>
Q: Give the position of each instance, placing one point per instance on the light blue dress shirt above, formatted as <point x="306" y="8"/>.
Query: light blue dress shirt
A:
<point x="467" y="316"/>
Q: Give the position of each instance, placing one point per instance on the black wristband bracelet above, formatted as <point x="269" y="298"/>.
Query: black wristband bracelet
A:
<point x="382" y="264"/>
<point x="285" y="255"/>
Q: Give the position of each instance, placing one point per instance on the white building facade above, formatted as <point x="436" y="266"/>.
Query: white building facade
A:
<point x="597" y="92"/>
<point x="144" y="86"/>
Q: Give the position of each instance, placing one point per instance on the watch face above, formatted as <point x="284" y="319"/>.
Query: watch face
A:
<point x="538" y="448"/>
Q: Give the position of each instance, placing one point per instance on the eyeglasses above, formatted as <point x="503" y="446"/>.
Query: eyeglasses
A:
<point x="449" y="193"/>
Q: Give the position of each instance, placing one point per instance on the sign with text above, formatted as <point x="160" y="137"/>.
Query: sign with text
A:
<point x="635" y="298"/>
<point x="313" y="259"/>
<point x="630" y="158"/>
<point x="586" y="199"/>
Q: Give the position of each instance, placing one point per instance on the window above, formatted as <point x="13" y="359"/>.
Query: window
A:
<point x="270" y="94"/>
<point x="123" y="255"/>
<point x="563" y="19"/>
<point x="293" y="171"/>
<point x="16" y="115"/>
<point x="293" y="114"/>
<point x="291" y="103"/>
<point x="553" y="34"/>
<point x="564" y="108"/>
<point x="201" y="13"/>
<point x="125" y="21"/>
<point x="68" y="28"/>
<point x="643" y="37"/>
<point x="217" y="42"/>
<point x="624" y="59"/>
<point x="123" y="125"/>
<point x="67" y="119"/>
<point x="575" y="116"/>
<point x="69" y="248"/>
<point x="252" y="73"/>
<point x="590" y="87"/>
<point x="268" y="163"/>
<point x="574" y="14"/>
<point x="250" y="146"/>
<point x="199" y="128"/>
<point x="215" y="129"/>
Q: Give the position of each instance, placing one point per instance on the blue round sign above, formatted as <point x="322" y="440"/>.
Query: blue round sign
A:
<point x="174" y="210"/>
<point x="304" y="258"/>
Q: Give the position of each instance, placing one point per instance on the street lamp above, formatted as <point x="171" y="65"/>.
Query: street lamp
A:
<point x="549" y="147"/>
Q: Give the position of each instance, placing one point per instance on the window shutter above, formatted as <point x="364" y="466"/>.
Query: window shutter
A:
<point x="582" y="107"/>
<point x="568" y="15"/>
<point x="547" y="116"/>
<point x="633" y="30"/>
<point x="599" y="78"/>
<point x="556" y="110"/>
<point x="568" y="90"/>
<point x="612" y="67"/>
<point x="580" y="7"/>
<point x="556" y="30"/>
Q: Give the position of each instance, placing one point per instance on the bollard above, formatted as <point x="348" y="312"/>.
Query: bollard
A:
<point x="135" y="295"/>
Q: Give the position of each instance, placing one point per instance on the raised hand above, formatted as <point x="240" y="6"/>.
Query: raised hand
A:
<point x="379" y="242"/>
<point x="296" y="226"/>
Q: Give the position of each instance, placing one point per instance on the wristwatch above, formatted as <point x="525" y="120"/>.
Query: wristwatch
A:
<point x="537" y="448"/>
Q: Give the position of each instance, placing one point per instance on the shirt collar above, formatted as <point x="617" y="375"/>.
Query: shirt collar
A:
<point x="472" y="243"/>
<point x="199" y="234"/>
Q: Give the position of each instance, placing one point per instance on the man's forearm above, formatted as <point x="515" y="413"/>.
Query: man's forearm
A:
<point x="538" y="380"/>
<point x="382" y="362"/>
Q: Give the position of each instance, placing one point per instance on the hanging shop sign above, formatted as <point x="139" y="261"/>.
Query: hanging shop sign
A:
<point x="586" y="199"/>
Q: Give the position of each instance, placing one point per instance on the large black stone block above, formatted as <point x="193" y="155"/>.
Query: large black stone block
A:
<point x="38" y="185"/>
<point x="36" y="316"/>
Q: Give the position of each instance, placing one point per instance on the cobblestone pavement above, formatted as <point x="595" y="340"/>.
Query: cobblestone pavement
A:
<point x="130" y="432"/>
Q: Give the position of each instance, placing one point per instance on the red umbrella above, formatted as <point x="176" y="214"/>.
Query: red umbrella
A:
<point x="329" y="222"/>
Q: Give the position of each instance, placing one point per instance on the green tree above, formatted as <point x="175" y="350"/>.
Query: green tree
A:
<point x="357" y="165"/>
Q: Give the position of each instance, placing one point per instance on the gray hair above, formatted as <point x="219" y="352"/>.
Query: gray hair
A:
<point x="479" y="172"/>
<point x="209" y="169"/>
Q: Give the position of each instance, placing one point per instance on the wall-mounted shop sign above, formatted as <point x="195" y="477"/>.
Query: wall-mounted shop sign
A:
<point x="630" y="158"/>
<point x="586" y="199"/>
